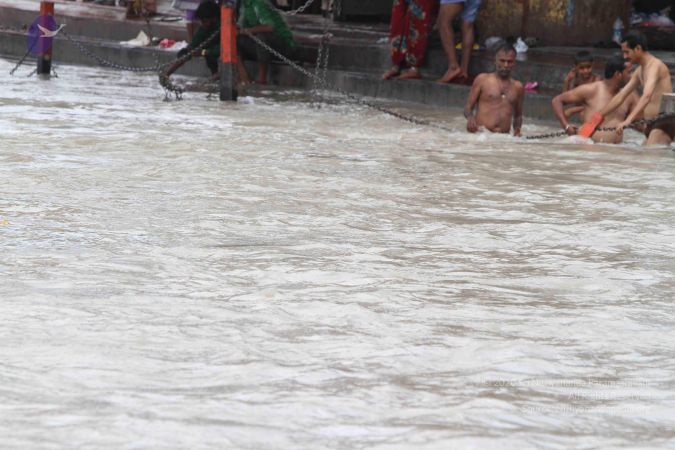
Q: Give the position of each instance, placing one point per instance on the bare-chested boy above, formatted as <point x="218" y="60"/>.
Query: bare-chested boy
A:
<point x="497" y="97"/>
<point x="581" y="73"/>
<point x="595" y="96"/>
<point x="654" y="77"/>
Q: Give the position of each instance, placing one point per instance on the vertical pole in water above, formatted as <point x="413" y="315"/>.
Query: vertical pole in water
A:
<point x="228" y="50"/>
<point x="44" y="60"/>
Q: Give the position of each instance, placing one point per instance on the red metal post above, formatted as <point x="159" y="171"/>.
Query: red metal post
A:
<point x="44" y="60"/>
<point x="228" y="50"/>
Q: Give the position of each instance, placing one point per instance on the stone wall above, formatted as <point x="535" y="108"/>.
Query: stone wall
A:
<point x="553" y="22"/>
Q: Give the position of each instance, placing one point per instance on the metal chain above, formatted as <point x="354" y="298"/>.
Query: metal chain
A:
<point x="319" y="60"/>
<point x="323" y="82"/>
<point x="353" y="97"/>
<point x="326" y="57"/>
<point x="659" y="118"/>
<point x="319" y="81"/>
<point x="548" y="135"/>
<point x="321" y="66"/>
<point x="107" y="63"/>
<point x="300" y="10"/>
<point x="170" y="88"/>
<point x="21" y="61"/>
<point x="164" y="78"/>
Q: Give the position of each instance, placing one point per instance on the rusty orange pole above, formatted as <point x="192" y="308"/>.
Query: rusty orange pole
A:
<point x="228" y="50"/>
<point x="44" y="60"/>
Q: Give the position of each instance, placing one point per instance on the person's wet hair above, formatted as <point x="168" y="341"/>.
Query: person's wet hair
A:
<point x="208" y="9"/>
<point x="505" y="47"/>
<point x="583" y="56"/>
<point x="634" y="38"/>
<point x="614" y="64"/>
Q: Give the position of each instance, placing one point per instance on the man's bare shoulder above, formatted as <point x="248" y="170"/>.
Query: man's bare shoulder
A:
<point x="663" y="68"/>
<point x="658" y="63"/>
<point x="584" y="92"/>
<point x="481" y="78"/>
<point x="590" y="89"/>
<point x="655" y="68"/>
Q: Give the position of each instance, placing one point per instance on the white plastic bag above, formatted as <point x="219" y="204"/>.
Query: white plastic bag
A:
<point x="521" y="47"/>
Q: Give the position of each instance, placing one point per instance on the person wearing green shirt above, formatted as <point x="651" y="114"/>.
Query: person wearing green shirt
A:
<point x="208" y="14"/>
<point x="261" y="19"/>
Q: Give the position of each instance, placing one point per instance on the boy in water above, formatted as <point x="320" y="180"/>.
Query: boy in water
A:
<point x="581" y="73"/>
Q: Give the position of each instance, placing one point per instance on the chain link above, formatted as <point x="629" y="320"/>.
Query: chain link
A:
<point x="107" y="63"/>
<point x="300" y="10"/>
<point x="548" y="135"/>
<point x="662" y="117"/>
<point x="165" y="78"/>
<point x="20" y="63"/>
<point x="321" y="66"/>
<point x="319" y="77"/>
<point x="353" y="97"/>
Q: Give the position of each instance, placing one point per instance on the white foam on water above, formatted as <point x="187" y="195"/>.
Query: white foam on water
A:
<point x="268" y="274"/>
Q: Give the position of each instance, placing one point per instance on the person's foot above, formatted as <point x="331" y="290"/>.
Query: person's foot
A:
<point x="391" y="73"/>
<point x="450" y="75"/>
<point x="411" y="74"/>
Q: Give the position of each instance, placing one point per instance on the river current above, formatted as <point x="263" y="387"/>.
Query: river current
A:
<point x="273" y="275"/>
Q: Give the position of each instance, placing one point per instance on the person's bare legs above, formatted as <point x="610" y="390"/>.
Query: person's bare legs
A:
<point x="413" y="73"/>
<point x="446" y="16"/>
<point x="468" y="39"/>
<point x="262" y="73"/>
<point x="243" y="74"/>
<point x="391" y="73"/>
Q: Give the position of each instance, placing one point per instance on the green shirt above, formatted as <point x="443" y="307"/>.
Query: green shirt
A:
<point x="253" y="13"/>
<point x="202" y="34"/>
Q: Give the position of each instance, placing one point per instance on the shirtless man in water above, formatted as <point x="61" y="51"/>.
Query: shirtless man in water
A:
<point x="654" y="77"/>
<point x="595" y="96"/>
<point x="499" y="98"/>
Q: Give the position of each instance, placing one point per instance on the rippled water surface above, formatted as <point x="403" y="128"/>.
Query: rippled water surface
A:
<point x="269" y="275"/>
